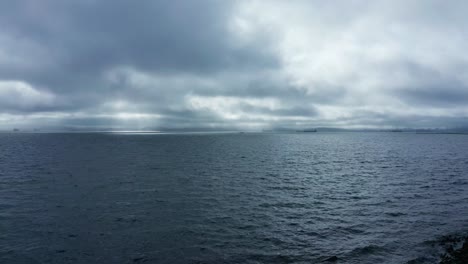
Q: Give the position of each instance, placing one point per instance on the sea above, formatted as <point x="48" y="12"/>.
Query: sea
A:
<point x="343" y="197"/>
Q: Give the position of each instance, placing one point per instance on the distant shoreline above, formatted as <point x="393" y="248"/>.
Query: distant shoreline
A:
<point x="225" y="132"/>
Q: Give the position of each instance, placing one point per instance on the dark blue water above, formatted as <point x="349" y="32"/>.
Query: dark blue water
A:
<point x="230" y="198"/>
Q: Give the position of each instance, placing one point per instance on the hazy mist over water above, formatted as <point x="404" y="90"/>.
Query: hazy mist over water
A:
<point x="230" y="198"/>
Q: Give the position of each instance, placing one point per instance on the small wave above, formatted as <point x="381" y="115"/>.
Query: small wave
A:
<point x="367" y="250"/>
<point x="419" y="260"/>
<point x="275" y="258"/>
<point x="356" y="229"/>
<point x="312" y="234"/>
<point x="282" y="205"/>
<point x="287" y="188"/>
<point x="395" y="214"/>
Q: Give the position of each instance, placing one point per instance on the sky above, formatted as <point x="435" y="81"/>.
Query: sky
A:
<point x="252" y="65"/>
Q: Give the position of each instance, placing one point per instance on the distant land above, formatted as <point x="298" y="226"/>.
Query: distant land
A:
<point x="456" y="130"/>
<point x="460" y="130"/>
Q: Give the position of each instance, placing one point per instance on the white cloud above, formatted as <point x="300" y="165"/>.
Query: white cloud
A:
<point x="21" y="96"/>
<point x="367" y="52"/>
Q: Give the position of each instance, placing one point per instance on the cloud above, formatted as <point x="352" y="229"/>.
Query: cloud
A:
<point x="18" y="96"/>
<point x="233" y="64"/>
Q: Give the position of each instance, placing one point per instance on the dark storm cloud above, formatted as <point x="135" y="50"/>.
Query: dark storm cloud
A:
<point x="89" y="36"/>
<point x="80" y="40"/>
<point x="233" y="64"/>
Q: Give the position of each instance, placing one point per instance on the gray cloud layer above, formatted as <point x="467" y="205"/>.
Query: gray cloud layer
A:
<point x="233" y="64"/>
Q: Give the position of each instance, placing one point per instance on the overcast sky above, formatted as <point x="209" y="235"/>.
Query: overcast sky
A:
<point x="233" y="64"/>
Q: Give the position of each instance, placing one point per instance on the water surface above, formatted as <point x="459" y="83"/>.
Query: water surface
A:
<point x="230" y="198"/>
